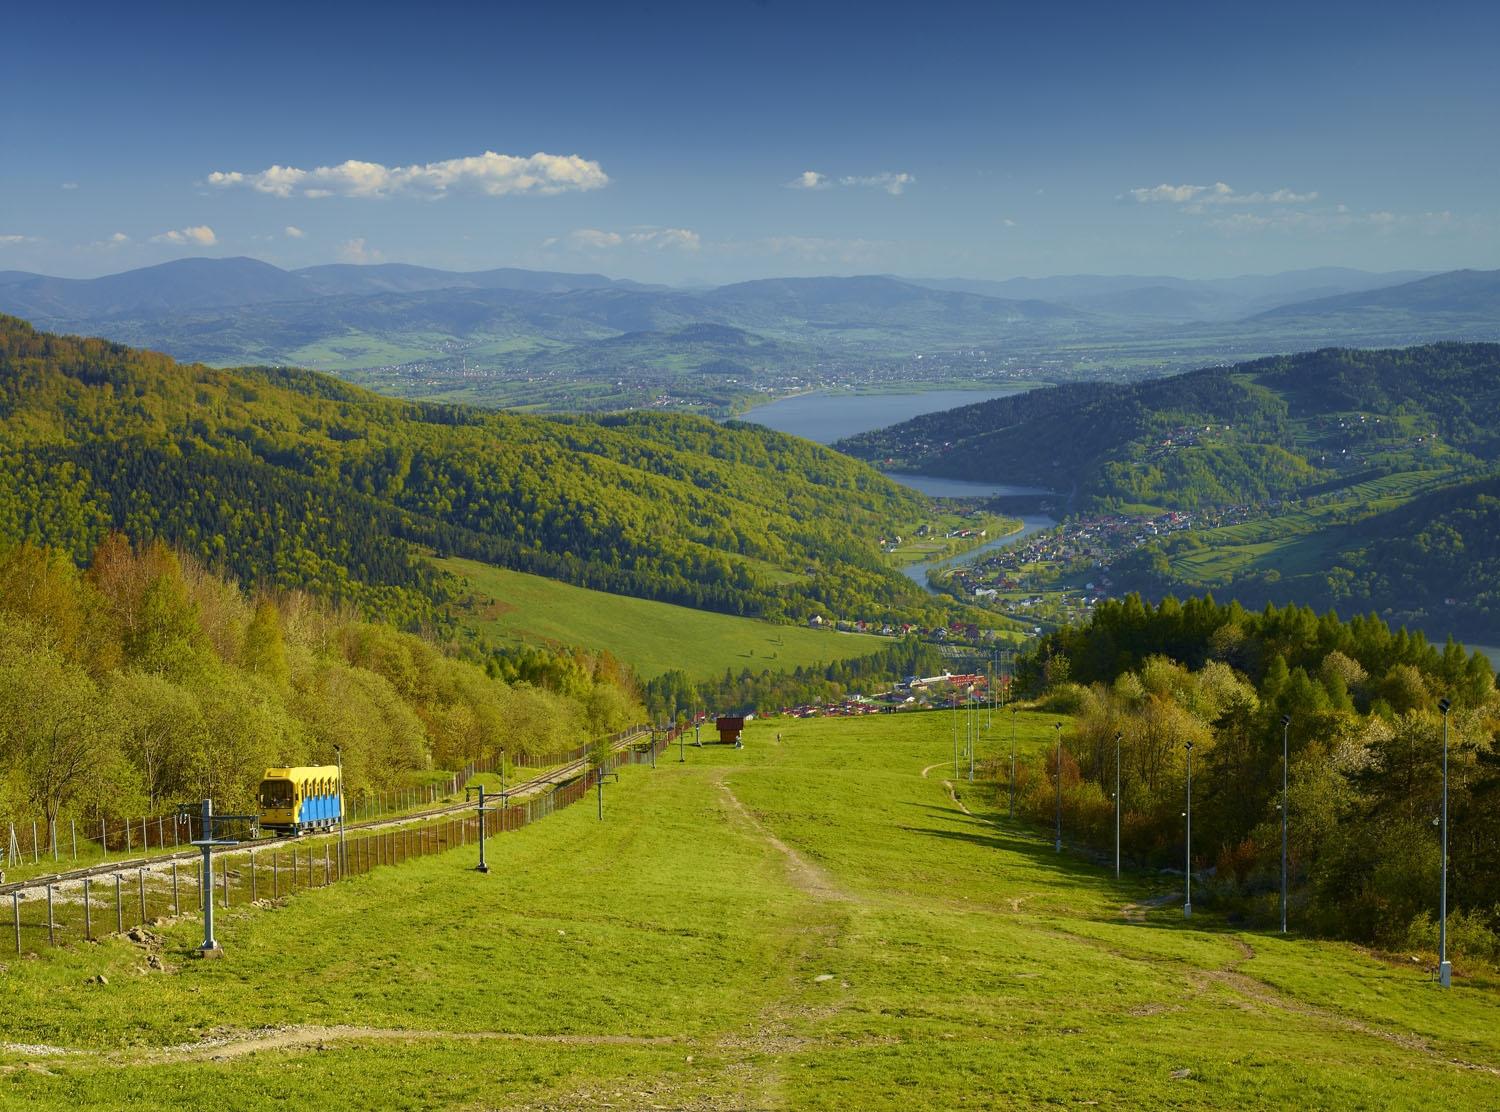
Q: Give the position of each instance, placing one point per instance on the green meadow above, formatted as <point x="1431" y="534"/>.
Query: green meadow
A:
<point x="814" y="921"/>
<point x="653" y="637"/>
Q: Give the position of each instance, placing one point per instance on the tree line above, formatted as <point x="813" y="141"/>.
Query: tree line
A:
<point x="145" y="679"/>
<point x="290" y="479"/>
<point x="1365" y="740"/>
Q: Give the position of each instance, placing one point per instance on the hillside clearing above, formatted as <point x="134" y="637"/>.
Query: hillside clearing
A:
<point x="810" y="924"/>
<point x="652" y="637"/>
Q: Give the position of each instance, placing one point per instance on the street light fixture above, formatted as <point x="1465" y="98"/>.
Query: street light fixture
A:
<point x="1187" y="907"/>
<point x="1057" y="727"/>
<point x="1286" y="722"/>
<point x="1445" y="967"/>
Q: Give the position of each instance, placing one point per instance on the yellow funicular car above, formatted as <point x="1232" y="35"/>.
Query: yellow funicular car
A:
<point x="296" y="800"/>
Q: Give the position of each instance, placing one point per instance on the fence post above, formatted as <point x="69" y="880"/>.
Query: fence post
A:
<point x="176" y="902"/>
<point x="127" y="836"/>
<point x="326" y="878"/>
<point x="226" y="880"/>
<point x="52" y="836"/>
<point x="141" y="884"/>
<point x="252" y="876"/>
<point x="51" y="927"/>
<point x="88" y="918"/>
<point x="161" y="839"/>
<point x="275" y="879"/>
<point x="103" y="835"/>
<point x="15" y="908"/>
<point x="119" y="906"/>
<point x="73" y="830"/>
<point x="36" y="849"/>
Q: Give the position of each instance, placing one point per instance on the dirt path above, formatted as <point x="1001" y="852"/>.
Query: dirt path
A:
<point x="804" y="875"/>
<point x="236" y="1044"/>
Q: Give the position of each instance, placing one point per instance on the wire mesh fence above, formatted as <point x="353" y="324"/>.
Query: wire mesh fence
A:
<point x="129" y="900"/>
<point x="34" y="841"/>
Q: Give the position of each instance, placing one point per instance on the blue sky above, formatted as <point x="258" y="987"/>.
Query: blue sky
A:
<point x="718" y="141"/>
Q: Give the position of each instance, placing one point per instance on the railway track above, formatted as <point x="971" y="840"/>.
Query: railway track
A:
<point x="524" y="790"/>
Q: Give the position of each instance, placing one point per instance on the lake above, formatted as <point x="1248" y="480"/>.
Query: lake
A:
<point x="829" y="417"/>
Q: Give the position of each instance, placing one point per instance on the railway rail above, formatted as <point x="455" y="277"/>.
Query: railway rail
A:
<point x="525" y="789"/>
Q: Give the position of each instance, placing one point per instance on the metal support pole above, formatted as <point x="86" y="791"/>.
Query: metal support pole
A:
<point x="51" y="925"/>
<point x="483" y="866"/>
<point x="15" y="911"/>
<point x="1445" y="967"/>
<point x="119" y="906"/>
<point x="1117" y="804"/>
<point x="1057" y="729"/>
<point x="253" y="894"/>
<point x="1286" y="722"/>
<point x="343" y="852"/>
<point x="88" y="916"/>
<point x="176" y="900"/>
<point x="1187" y="906"/>
<point x="140" y="876"/>
<point x="73" y="831"/>
<point x="275" y="877"/>
<point x="1012" y="813"/>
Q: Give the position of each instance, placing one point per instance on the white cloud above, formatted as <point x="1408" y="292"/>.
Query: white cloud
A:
<point x="12" y="240"/>
<point x="1008" y="222"/>
<point x="1219" y="193"/>
<point x="199" y="234"/>
<point x="495" y="175"/>
<point x="893" y="183"/>
<point x="70" y="185"/>
<point x="358" y="251"/>
<point x="294" y="232"/>
<point x="661" y="239"/>
<point x="809" y="179"/>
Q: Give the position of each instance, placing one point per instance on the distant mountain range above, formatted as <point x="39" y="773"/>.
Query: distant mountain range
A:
<point x="1183" y="299"/>
<point x="513" y="336"/>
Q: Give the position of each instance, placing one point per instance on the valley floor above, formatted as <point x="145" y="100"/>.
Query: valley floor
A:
<point x="814" y="921"/>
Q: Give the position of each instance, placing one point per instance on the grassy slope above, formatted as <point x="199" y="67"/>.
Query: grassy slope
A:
<point x="652" y="637"/>
<point x="672" y="956"/>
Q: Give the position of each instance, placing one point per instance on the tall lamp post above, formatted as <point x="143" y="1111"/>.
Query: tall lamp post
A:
<point x="1012" y="813"/>
<point x="1117" y="804"/>
<point x="1286" y="723"/>
<point x="955" y="733"/>
<point x="1057" y="727"/>
<point x="1187" y="907"/>
<point x="1445" y="967"/>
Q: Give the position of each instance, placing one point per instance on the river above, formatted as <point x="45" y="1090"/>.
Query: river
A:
<point x="829" y="417"/>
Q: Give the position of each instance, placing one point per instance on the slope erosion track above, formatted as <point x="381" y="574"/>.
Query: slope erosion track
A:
<point x="61" y="908"/>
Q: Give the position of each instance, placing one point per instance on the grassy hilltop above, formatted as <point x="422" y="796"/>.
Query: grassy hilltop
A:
<point x="810" y="924"/>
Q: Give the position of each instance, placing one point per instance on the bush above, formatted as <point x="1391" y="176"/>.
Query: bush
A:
<point x="1471" y="935"/>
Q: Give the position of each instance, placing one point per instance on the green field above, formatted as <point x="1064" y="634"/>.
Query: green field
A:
<point x="810" y="924"/>
<point x="652" y="637"/>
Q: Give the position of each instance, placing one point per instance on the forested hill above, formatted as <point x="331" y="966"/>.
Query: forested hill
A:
<point x="294" y="479"/>
<point x="1270" y="428"/>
